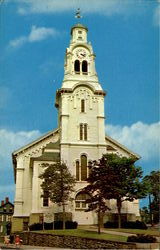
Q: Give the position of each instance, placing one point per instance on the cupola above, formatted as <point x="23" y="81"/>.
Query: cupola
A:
<point x="79" y="33"/>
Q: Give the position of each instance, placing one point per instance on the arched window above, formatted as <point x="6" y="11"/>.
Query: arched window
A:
<point x="77" y="66"/>
<point x="84" y="67"/>
<point x="77" y="170"/>
<point x="83" y="167"/>
<point x="82" y="105"/>
<point x="80" y="200"/>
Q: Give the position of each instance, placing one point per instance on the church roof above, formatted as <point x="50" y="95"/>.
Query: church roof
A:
<point x="131" y="153"/>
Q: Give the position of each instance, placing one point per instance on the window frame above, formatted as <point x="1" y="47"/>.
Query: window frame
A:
<point x="81" y="202"/>
<point x="46" y="199"/>
<point x="83" y="132"/>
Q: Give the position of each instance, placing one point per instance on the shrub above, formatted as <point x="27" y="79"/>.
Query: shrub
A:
<point x="57" y="225"/>
<point x="110" y="224"/>
<point x="71" y="224"/>
<point x="36" y="226"/>
<point x="128" y="224"/>
<point x="142" y="238"/>
<point x="134" y="224"/>
<point x="48" y="226"/>
<point x="68" y="225"/>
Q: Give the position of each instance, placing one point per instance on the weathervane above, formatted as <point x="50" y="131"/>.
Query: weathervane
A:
<point x="78" y="14"/>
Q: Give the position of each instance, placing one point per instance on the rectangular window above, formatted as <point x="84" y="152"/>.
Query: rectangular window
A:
<point x="85" y="132"/>
<point x="79" y="32"/>
<point x="77" y="204"/>
<point x="83" y="204"/>
<point x="45" y="199"/>
<point x="81" y="131"/>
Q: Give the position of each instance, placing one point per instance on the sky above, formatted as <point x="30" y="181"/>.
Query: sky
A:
<point x="34" y="35"/>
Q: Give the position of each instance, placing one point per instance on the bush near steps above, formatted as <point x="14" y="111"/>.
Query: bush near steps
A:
<point x="53" y="225"/>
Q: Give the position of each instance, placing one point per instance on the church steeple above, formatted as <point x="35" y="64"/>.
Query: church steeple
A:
<point x="80" y="60"/>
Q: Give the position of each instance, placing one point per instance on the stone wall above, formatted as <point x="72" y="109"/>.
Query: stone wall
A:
<point x="50" y="240"/>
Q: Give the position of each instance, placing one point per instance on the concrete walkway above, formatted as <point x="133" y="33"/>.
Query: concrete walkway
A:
<point x="26" y="247"/>
<point x="93" y="228"/>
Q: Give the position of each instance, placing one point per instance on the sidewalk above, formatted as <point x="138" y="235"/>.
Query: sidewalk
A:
<point x="94" y="228"/>
<point x="26" y="247"/>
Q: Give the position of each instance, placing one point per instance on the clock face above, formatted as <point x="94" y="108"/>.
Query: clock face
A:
<point x="81" y="53"/>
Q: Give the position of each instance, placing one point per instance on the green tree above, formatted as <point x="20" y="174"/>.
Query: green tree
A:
<point x="96" y="202"/>
<point x="59" y="183"/>
<point x="117" y="178"/>
<point x="153" y="182"/>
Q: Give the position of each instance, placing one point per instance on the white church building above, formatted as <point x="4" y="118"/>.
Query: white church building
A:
<point x="79" y="138"/>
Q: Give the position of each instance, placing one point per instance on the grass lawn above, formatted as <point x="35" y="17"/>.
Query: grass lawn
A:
<point x="86" y="234"/>
<point x="154" y="232"/>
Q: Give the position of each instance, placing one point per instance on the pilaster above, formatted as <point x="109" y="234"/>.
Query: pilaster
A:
<point x="18" y="211"/>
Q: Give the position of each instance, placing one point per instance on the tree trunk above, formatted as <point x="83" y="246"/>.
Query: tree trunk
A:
<point x="63" y="215"/>
<point x="99" y="222"/>
<point x="119" y="205"/>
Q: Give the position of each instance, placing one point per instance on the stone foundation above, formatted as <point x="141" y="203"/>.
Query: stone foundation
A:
<point x="50" y="240"/>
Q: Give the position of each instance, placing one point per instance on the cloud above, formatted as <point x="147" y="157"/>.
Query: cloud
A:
<point x="141" y="138"/>
<point x="18" y="42"/>
<point x="36" y="34"/>
<point x="9" y="142"/>
<point x="106" y="7"/>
